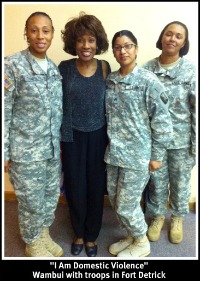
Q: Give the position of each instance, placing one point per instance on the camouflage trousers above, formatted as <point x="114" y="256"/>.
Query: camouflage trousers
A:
<point x="125" y="187"/>
<point x="37" y="188"/>
<point x="171" y="183"/>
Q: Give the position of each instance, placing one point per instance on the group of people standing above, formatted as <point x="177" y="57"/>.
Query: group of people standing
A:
<point x="121" y="132"/>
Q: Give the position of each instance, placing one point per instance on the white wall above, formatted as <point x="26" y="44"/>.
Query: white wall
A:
<point x="145" y="20"/>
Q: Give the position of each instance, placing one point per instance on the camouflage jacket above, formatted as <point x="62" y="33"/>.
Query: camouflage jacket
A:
<point x="180" y="83"/>
<point x="139" y="124"/>
<point x="32" y="109"/>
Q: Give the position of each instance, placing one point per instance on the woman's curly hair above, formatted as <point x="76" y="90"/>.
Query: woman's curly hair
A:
<point x="81" y="25"/>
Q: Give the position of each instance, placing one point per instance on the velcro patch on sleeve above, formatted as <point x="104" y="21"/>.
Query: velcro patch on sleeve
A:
<point x="164" y="98"/>
<point x="7" y="82"/>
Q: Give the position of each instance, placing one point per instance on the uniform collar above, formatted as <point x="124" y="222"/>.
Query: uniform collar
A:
<point x="172" y="73"/>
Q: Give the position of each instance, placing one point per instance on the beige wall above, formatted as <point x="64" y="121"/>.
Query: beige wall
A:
<point x="145" y="20"/>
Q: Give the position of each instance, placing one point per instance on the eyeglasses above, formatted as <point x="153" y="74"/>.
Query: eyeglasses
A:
<point x="125" y="47"/>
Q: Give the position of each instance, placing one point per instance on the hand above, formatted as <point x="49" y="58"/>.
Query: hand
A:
<point x="6" y="166"/>
<point x="154" y="165"/>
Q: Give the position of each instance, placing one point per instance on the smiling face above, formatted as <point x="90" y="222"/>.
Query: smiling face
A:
<point x="86" y="46"/>
<point x="39" y="33"/>
<point x="173" y="40"/>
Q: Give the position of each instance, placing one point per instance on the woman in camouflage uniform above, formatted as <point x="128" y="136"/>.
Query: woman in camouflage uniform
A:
<point x="172" y="180"/>
<point x="139" y="130"/>
<point x="32" y="120"/>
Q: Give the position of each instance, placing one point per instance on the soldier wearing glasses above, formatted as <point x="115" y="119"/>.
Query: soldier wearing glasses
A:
<point x="139" y="130"/>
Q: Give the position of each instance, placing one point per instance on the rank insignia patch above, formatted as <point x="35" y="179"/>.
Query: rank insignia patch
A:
<point x="164" y="98"/>
<point x="7" y="82"/>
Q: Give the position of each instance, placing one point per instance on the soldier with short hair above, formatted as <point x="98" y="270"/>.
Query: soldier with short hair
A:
<point x="32" y="120"/>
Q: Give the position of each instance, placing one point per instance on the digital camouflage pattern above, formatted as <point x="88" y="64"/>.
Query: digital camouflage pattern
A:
<point x="32" y="109"/>
<point x="179" y="172"/>
<point x="32" y="121"/>
<point x="139" y="130"/>
<point x="139" y="124"/>
<point x="125" y="188"/>
<point x="180" y="82"/>
<point x="37" y="189"/>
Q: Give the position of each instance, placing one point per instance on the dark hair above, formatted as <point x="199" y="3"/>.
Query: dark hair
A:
<point x="79" y="26"/>
<point x="38" y="14"/>
<point x="127" y="33"/>
<point x="184" y="50"/>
